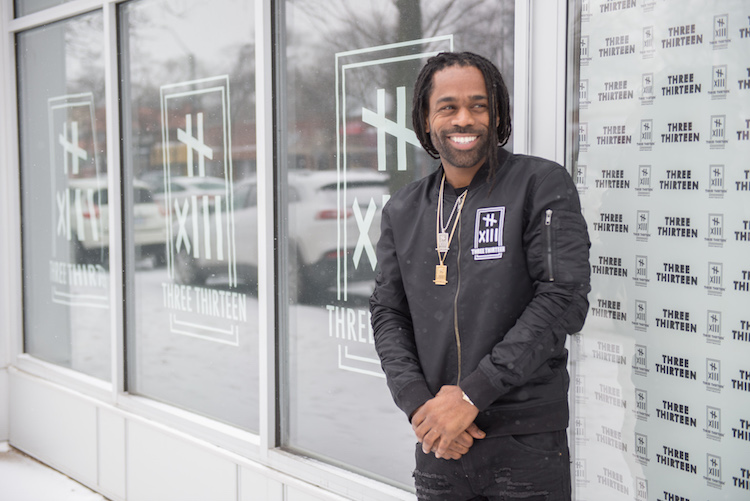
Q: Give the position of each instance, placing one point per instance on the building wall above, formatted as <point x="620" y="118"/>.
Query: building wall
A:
<point x="130" y="447"/>
<point x="124" y="456"/>
<point x="661" y="385"/>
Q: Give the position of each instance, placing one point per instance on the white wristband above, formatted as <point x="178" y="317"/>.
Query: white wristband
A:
<point x="466" y="398"/>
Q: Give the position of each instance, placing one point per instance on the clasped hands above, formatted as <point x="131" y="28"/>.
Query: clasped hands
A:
<point x="445" y="424"/>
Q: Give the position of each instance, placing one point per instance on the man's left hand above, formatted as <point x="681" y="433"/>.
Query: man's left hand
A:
<point x="441" y="419"/>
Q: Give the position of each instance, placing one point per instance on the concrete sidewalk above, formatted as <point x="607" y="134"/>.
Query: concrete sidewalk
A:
<point x="23" y="478"/>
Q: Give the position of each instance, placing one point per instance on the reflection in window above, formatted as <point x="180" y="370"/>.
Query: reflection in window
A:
<point x="25" y="7"/>
<point x="347" y="145"/>
<point x="191" y="248"/>
<point x="64" y="203"/>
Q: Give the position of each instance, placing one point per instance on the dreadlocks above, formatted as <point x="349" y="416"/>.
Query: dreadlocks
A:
<point x="497" y="96"/>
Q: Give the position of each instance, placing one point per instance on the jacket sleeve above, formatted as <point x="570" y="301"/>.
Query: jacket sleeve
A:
<point x="392" y="328"/>
<point x="557" y="254"/>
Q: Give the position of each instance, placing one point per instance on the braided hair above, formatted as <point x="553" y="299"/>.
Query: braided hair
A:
<point x="497" y="95"/>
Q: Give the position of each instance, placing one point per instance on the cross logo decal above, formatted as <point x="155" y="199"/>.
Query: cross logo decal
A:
<point x="71" y="147"/>
<point x="397" y="129"/>
<point x="195" y="144"/>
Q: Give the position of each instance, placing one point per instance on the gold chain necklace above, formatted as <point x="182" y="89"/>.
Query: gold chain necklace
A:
<point x="443" y="239"/>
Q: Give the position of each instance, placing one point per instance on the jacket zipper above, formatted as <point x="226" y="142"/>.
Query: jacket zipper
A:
<point x="548" y="224"/>
<point x="455" y="304"/>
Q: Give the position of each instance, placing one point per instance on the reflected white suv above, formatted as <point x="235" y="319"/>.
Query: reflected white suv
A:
<point x="328" y="219"/>
<point x="182" y="188"/>
<point x="88" y="199"/>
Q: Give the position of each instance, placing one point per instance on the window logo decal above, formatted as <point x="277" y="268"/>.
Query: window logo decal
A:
<point x="367" y="107"/>
<point x="77" y="181"/>
<point x="196" y="142"/>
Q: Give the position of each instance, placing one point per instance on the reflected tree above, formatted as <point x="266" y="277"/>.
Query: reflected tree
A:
<point x="337" y="26"/>
<point x="188" y="50"/>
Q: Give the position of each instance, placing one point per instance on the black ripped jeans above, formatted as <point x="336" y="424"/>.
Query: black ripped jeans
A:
<point x="533" y="467"/>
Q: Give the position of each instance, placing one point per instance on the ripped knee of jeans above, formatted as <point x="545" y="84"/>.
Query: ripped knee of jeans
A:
<point x="518" y="490"/>
<point x="431" y="484"/>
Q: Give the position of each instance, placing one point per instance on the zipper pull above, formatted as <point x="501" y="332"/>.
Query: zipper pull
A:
<point x="548" y="220"/>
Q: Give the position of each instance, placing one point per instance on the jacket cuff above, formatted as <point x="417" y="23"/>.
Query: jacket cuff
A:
<point x="479" y="389"/>
<point x="412" y="396"/>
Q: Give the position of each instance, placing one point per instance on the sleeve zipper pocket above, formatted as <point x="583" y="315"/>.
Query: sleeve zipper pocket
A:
<point x="548" y="229"/>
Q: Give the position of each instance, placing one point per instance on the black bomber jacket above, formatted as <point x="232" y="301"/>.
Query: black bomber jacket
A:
<point x="517" y="284"/>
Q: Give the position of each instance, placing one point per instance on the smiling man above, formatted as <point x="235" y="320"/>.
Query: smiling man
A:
<point x="483" y="273"/>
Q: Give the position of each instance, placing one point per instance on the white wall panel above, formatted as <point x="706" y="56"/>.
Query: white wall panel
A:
<point x="112" y="457"/>
<point x="254" y="486"/>
<point x="293" y="494"/>
<point x="54" y="426"/>
<point x="166" y="468"/>
<point x="3" y="403"/>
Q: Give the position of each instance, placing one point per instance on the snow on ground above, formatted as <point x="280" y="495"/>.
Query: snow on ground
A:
<point x="25" y="479"/>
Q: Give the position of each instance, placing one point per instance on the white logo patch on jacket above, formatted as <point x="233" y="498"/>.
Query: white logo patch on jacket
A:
<point x="488" y="233"/>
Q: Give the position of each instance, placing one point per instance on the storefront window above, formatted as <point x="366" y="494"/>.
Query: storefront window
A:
<point x="191" y="224"/>
<point x="64" y="197"/>
<point x="25" y="7"/>
<point x="346" y="145"/>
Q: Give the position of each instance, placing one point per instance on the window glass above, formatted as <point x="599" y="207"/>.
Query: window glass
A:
<point x="24" y="7"/>
<point x="64" y="203"/>
<point x="347" y="73"/>
<point x="189" y="129"/>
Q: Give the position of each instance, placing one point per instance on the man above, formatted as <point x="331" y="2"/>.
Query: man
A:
<point x="483" y="273"/>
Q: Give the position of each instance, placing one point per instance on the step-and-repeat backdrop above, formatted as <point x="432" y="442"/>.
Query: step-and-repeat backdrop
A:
<point x="661" y="384"/>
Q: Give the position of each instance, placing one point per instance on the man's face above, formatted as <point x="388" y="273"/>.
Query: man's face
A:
<point x="458" y="118"/>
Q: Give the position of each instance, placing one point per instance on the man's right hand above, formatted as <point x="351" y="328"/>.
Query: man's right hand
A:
<point x="463" y="443"/>
<point x="439" y="421"/>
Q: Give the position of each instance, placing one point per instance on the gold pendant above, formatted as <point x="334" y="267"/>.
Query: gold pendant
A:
<point x="441" y="274"/>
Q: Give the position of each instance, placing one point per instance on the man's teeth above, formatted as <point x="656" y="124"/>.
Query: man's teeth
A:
<point x="463" y="139"/>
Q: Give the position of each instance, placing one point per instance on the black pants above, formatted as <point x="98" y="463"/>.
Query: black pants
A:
<point x="532" y="467"/>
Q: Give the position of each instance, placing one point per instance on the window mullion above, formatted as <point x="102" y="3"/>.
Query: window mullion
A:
<point x="266" y="258"/>
<point x="114" y="179"/>
<point x="522" y="76"/>
<point x="10" y="215"/>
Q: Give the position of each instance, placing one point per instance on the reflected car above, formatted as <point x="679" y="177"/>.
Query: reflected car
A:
<point x="322" y="235"/>
<point x="185" y="187"/>
<point x="89" y="221"/>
